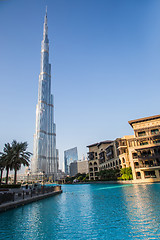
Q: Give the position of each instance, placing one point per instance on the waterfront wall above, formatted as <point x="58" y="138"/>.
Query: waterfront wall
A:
<point x="145" y="181"/>
<point x="20" y="198"/>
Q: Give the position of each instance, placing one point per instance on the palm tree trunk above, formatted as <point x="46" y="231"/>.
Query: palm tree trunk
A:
<point x="1" y="175"/>
<point x="15" y="175"/>
<point x="7" y="173"/>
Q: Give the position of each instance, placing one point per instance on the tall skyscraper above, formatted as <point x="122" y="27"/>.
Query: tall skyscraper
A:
<point x="44" y="151"/>
<point x="70" y="156"/>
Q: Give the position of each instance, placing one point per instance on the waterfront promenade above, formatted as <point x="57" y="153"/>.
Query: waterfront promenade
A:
<point x="18" y="197"/>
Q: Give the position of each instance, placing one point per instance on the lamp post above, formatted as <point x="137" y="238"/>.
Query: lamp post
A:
<point x="43" y="177"/>
<point x="28" y="177"/>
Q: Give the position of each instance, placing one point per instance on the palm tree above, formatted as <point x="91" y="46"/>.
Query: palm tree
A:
<point x="6" y="159"/>
<point x="2" y="166"/>
<point x="20" y="156"/>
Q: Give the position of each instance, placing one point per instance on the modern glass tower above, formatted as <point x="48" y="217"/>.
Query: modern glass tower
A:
<point x="70" y="156"/>
<point x="44" y="153"/>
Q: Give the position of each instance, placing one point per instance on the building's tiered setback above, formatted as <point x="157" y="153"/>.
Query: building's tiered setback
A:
<point x="45" y="158"/>
<point x="140" y="151"/>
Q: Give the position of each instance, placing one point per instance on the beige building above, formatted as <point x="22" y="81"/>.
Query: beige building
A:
<point x="96" y="155"/>
<point x="144" y="149"/>
<point x="140" y="151"/>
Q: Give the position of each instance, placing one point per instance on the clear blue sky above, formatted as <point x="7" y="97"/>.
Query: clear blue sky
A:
<point x="105" y="57"/>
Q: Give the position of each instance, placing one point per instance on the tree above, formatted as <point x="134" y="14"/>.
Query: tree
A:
<point x="126" y="173"/>
<point x="13" y="156"/>
<point x="19" y="157"/>
<point x="6" y="158"/>
<point x="2" y="166"/>
<point x="109" y="174"/>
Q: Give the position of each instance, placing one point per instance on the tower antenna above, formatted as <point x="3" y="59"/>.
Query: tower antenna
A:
<point x="46" y="10"/>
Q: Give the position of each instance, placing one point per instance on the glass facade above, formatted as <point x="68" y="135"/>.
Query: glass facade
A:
<point x="70" y="156"/>
<point x="44" y="151"/>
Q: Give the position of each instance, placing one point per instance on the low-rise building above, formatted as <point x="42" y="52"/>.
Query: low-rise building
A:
<point x="144" y="149"/>
<point x="140" y="151"/>
<point x="96" y="155"/>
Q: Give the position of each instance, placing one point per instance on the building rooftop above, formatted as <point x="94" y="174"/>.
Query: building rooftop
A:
<point x="143" y="119"/>
<point x="98" y="144"/>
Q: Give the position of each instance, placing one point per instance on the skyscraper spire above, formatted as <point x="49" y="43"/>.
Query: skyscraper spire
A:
<point x="45" y="29"/>
<point x="46" y="10"/>
<point x="44" y="152"/>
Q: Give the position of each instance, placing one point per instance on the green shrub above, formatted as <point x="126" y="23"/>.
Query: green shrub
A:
<point x="126" y="173"/>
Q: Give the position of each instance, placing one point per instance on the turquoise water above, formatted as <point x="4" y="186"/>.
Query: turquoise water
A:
<point x="97" y="211"/>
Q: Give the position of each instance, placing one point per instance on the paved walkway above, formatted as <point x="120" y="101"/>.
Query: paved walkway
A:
<point x="19" y="201"/>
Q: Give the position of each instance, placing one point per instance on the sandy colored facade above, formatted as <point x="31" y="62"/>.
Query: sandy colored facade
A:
<point x="144" y="149"/>
<point x="140" y="151"/>
<point x="96" y="154"/>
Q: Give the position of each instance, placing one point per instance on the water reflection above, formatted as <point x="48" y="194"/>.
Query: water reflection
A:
<point x="142" y="206"/>
<point x="96" y="211"/>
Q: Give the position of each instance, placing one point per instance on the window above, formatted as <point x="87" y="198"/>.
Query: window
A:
<point x="154" y="131"/>
<point x="134" y="155"/>
<point x="144" y="143"/>
<point x="138" y="175"/>
<point x="95" y="153"/>
<point x="156" y="141"/>
<point x="123" y="160"/>
<point x="140" y="134"/>
<point x="149" y="174"/>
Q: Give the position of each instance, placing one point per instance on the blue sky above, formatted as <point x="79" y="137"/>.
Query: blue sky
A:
<point x="105" y="58"/>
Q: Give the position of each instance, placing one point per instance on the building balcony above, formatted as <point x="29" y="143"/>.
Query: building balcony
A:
<point x="149" y="145"/>
<point x="150" y="176"/>
<point x="149" y="167"/>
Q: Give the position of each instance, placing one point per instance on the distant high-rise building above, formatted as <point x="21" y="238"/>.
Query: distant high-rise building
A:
<point x="70" y="155"/>
<point x="45" y="156"/>
<point x="78" y="167"/>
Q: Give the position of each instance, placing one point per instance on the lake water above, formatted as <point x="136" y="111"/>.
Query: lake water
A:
<point x="88" y="211"/>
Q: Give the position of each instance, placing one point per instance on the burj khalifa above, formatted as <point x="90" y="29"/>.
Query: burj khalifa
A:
<point x="45" y="155"/>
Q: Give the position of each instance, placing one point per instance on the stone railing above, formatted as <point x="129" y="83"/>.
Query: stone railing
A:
<point x="19" y="194"/>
